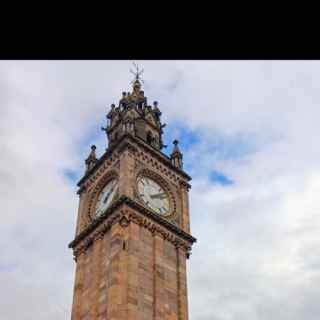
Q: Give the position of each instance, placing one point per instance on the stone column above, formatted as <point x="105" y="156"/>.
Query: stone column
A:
<point x="117" y="292"/>
<point x="158" y="281"/>
<point x="185" y="207"/>
<point x="78" y="284"/>
<point x="182" y="284"/>
<point x="126" y="173"/>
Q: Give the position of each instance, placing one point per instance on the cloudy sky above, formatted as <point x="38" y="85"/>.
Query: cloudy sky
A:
<point x="249" y="131"/>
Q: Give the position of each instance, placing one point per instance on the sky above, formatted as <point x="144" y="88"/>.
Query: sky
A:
<point x="249" y="132"/>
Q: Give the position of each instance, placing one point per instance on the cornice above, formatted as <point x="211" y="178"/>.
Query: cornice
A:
<point x="142" y="210"/>
<point x="123" y="143"/>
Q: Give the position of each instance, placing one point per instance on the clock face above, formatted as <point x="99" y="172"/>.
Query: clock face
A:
<point x="106" y="196"/>
<point x="153" y="195"/>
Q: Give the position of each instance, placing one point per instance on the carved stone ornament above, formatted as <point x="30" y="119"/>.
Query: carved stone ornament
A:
<point x="124" y="221"/>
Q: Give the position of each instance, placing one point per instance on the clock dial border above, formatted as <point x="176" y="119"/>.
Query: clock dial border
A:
<point x="164" y="185"/>
<point x="146" y="203"/>
<point x="115" y="185"/>
<point x="94" y="194"/>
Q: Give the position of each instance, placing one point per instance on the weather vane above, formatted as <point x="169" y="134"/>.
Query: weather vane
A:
<point x="137" y="73"/>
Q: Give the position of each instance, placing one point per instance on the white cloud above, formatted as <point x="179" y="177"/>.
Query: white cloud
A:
<point x="257" y="251"/>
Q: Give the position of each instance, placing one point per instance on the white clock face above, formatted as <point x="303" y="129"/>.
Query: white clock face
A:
<point x="106" y="196"/>
<point x="153" y="195"/>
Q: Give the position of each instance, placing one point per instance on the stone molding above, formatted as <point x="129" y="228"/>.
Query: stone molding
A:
<point x="108" y="163"/>
<point x="130" y="211"/>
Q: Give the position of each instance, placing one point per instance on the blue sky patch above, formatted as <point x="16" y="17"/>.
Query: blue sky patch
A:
<point x="217" y="177"/>
<point x="94" y="136"/>
<point x="72" y="175"/>
<point x="215" y="146"/>
<point x="187" y="137"/>
<point x="8" y="267"/>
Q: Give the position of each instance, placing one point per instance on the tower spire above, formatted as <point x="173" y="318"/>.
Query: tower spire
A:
<point x="135" y="117"/>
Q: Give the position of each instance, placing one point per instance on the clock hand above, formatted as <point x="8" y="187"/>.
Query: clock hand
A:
<point x="108" y="195"/>
<point x="106" y="198"/>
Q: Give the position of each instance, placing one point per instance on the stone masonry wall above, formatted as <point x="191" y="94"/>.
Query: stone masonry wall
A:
<point x="130" y="273"/>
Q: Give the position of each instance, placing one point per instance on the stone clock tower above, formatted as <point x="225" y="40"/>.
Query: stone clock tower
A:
<point x="132" y="235"/>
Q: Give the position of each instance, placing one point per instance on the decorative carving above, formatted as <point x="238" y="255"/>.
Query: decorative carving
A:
<point x="124" y="221"/>
<point x="108" y="163"/>
<point x="184" y="184"/>
<point x="155" y="228"/>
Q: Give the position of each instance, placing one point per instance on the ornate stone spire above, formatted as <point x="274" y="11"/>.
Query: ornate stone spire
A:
<point x="135" y="117"/>
<point x="92" y="159"/>
<point x="176" y="155"/>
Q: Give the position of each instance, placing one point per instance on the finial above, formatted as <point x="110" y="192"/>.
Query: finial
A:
<point x="176" y="155"/>
<point x="137" y="73"/>
<point x="92" y="159"/>
<point x="176" y="149"/>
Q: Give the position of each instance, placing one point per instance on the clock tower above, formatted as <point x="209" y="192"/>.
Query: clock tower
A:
<point x="132" y="235"/>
